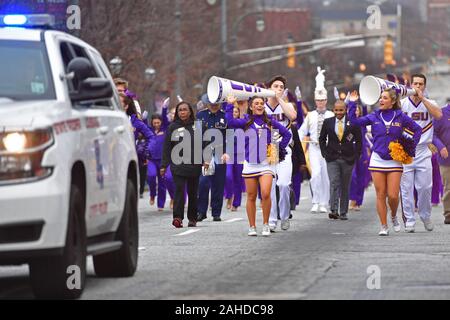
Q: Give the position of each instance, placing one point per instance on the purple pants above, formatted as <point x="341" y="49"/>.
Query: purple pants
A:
<point x="358" y="183"/>
<point x="164" y="184"/>
<point x="296" y="186"/>
<point x="233" y="183"/>
<point x="438" y="188"/>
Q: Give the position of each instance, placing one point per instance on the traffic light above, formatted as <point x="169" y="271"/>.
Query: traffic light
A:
<point x="290" y="62"/>
<point x="389" y="52"/>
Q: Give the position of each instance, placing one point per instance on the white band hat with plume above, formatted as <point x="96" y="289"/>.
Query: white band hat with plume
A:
<point x="320" y="93"/>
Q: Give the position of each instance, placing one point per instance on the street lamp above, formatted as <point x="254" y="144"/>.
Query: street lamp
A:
<point x="150" y="74"/>
<point x="260" y="24"/>
<point x="116" y="65"/>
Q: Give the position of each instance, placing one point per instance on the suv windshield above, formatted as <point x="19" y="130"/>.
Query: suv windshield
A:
<point x="25" y="71"/>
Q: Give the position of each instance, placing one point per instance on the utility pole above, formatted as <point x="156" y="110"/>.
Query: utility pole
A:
<point x="399" y="30"/>
<point x="224" y="36"/>
<point x="178" y="48"/>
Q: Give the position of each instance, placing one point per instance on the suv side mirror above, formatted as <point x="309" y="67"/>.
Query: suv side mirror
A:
<point x="87" y="87"/>
<point x="93" y="89"/>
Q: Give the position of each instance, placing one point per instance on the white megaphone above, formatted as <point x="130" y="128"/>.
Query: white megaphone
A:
<point x="220" y="88"/>
<point x="371" y="87"/>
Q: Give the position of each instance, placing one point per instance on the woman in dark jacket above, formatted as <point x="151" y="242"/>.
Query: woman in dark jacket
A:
<point x="184" y="171"/>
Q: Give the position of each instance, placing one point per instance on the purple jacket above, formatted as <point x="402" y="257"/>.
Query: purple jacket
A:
<point x="141" y="128"/>
<point x="365" y="145"/>
<point x="156" y="144"/>
<point x="441" y="137"/>
<point x="165" y="119"/>
<point x="381" y="136"/>
<point x="254" y="147"/>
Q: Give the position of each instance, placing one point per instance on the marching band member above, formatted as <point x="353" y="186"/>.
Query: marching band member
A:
<point x="312" y="125"/>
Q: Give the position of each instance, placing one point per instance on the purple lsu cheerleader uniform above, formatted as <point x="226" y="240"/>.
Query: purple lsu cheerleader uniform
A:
<point x="256" y="164"/>
<point x="154" y="165"/>
<point x="387" y="126"/>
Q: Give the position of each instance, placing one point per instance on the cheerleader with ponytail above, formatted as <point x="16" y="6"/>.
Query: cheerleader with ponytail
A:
<point x="261" y="155"/>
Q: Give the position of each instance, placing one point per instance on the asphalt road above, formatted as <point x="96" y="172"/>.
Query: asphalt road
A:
<point x="316" y="259"/>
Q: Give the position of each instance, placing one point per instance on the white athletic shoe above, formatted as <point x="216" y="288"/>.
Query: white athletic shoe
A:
<point x="252" y="232"/>
<point x="410" y="229"/>
<point x="273" y="228"/>
<point x="396" y="224"/>
<point x="428" y="225"/>
<point x="285" y="224"/>
<point x="384" y="231"/>
<point x="323" y="209"/>
<point x="315" y="208"/>
<point x="265" y="231"/>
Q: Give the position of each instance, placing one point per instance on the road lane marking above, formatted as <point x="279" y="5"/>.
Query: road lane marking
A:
<point x="234" y="220"/>
<point x="187" y="232"/>
<point x="243" y="296"/>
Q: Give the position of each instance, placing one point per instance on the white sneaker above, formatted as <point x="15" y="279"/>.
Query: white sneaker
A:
<point x="323" y="209"/>
<point x="384" y="231"/>
<point x="410" y="229"/>
<point x="273" y="228"/>
<point x="428" y="225"/>
<point x="285" y="224"/>
<point x="265" y="231"/>
<point x="315" y="208"/>
<point x="396" y="224"/>
<point x="252" y="232"/>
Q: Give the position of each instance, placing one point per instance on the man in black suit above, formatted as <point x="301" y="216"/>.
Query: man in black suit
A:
<point x="340" y="145"/>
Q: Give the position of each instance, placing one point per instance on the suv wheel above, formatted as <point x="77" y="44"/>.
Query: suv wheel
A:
<point x="64" y="276"/>
<point x="123" y="262"/>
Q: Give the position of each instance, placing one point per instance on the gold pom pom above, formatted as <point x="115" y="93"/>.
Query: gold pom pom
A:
<point x="272" y="154"/>
<point x="398" y="153"/>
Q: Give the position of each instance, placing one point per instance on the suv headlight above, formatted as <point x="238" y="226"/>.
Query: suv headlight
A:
<point x="21" y="154"/>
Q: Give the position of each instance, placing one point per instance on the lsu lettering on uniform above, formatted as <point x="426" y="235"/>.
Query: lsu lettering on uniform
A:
<point x="418" y="174"/>
<point x="283" y="172"/>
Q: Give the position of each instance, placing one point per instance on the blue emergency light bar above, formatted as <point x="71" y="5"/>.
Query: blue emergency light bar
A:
<point x="27" y="20"/>
<point x="15" y="20"/>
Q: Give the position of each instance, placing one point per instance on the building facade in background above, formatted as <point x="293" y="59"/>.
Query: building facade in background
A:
<point x="439" y="26"/>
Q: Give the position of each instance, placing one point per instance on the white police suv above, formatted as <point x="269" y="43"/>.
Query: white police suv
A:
<point x="68" y="164"/>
